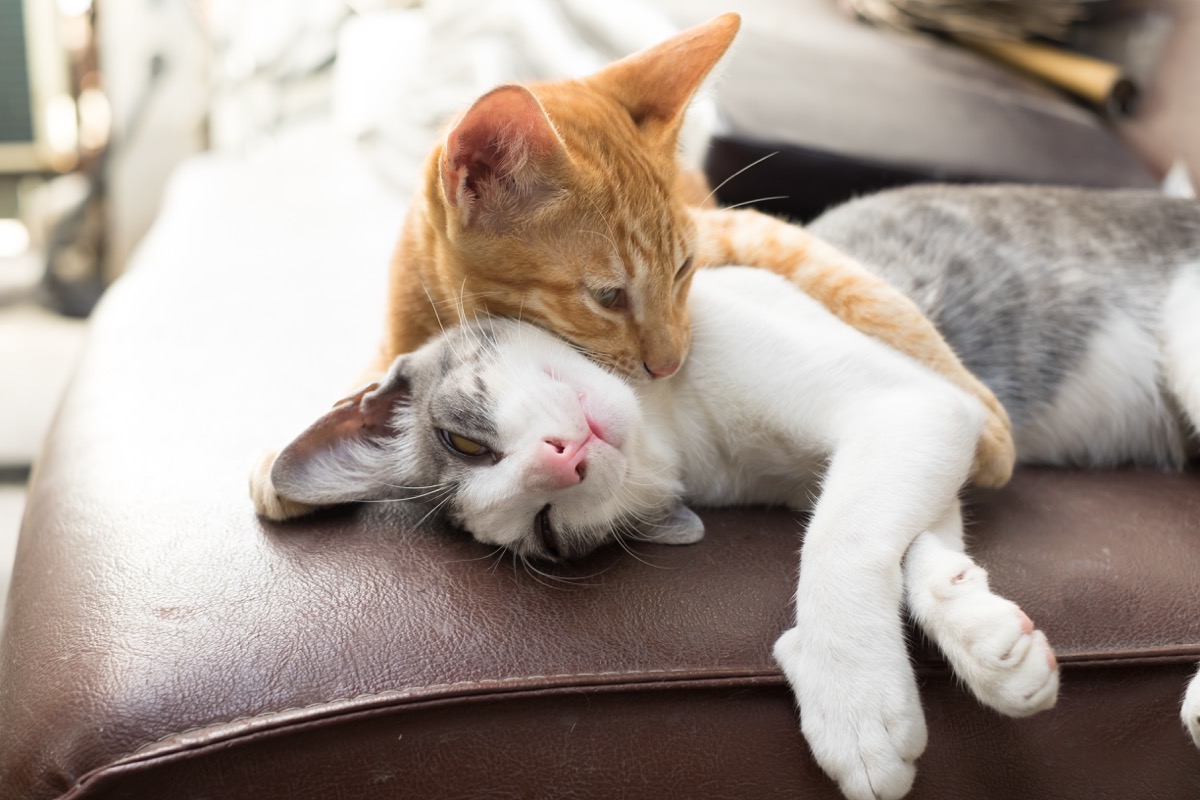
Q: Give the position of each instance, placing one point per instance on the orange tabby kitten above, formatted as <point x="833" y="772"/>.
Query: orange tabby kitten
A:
<point x="563" y="203"/>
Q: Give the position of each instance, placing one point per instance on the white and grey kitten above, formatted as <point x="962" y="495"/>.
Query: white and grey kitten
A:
<point x="1073" y="306"/>
<point x="535" y="448"/>
<point x="1079" y="309"/>
<point x="543" y="452"/>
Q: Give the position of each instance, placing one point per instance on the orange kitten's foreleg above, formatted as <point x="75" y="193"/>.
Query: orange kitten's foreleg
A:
<point x="859" y="298"/>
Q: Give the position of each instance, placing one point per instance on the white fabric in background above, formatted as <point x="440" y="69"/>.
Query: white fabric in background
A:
<point x="403" y="75"/>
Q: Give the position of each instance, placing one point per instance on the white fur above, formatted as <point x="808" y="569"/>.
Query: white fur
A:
<point x="1111" y="409"/>
<point x="775" y="391"/>
<point x="991" y="644"/>
<point x="1181" y="365"/>
<point x="1181" y="341"/>
<point x="1190" y="711"/>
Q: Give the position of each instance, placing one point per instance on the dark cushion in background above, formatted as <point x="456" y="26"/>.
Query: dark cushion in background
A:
<point x="849" y="109"/>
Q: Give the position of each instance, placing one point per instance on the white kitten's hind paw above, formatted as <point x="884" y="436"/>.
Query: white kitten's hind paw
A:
<point x="267" y="501"/>
<point x="1190" y="713"/>
<point x="990" y="643"/>
<point x="863" y="720"/>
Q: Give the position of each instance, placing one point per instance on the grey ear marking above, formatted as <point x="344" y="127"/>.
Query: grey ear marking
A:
<point x="334" y="459"/>
<point x="679" y="526"/>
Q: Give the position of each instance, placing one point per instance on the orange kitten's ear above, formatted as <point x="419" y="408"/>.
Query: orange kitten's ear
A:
<point x="502" y="154"/>
<point x="657" y="84"/>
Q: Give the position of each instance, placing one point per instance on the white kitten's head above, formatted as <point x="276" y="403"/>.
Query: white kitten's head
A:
<point x="521" y="440"/>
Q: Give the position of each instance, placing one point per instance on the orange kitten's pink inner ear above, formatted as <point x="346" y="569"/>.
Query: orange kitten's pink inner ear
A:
<point x="504" y="134"/>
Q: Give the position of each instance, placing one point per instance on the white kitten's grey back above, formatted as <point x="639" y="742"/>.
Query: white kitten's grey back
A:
<point x="1064" y="302"/>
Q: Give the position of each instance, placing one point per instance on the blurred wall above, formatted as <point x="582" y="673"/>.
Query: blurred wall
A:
<point x="1167" y="124"/>
<point x="154" y="55"/>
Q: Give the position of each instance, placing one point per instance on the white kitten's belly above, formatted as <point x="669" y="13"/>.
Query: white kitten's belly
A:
<point x="1111" y="410"/>
<point x="774" y="380"/>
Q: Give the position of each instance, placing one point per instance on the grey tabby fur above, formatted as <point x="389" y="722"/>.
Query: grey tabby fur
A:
<point x="1021" y="280"/>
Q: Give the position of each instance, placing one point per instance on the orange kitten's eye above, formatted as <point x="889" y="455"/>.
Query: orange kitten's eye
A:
<point x="683" y="268"/>
<point x="464" y="446"/>
<point x="611" y="297"/>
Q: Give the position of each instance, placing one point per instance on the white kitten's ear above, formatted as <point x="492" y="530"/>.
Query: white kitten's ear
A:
<point x="339" y="458"/>
<point x="501" y="155"/>
<point x="681" y="526"/>
<point x="657" y="84"/>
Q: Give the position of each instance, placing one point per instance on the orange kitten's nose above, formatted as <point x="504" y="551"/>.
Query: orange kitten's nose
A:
<point x="662" y="370"/>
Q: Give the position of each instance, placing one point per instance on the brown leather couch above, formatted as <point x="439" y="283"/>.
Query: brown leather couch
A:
<point x="160" y="641"/>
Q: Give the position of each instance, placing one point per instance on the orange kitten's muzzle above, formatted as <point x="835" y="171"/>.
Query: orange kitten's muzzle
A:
<point x="662" y="369"/>
<point x="663" y="355"/>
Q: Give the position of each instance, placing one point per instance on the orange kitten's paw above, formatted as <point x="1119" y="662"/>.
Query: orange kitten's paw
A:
<point x="994" y="454"/>
<point x="267" y="501"/>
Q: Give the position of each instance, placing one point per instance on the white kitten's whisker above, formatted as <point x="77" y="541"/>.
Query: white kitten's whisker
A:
<point x="571" y="581"/>
<point x="497" y="550"/>
<point x="435" y="509"/>
<point x="625" y="544"/>
<point x="717" y="188"/>
<point x="538" y="575"/>
<point x="461" y="309"/>
<point x="435" y="493"/>
<point x="402" y="487"/>
<point x="441" y="325"/>
<point x="433" y="304"/>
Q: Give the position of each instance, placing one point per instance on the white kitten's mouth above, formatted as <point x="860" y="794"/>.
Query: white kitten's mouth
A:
<point x="545" y="535"/>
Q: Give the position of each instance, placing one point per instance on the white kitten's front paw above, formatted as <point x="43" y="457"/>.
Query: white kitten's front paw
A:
<point x="861" y="716"/>
<point x="267" y="501"/>
<point x="990" y="642"/>
<point x="1190" y="713"/>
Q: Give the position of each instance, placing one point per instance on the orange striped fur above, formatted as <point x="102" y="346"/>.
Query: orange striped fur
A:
<point x="543" y="199"/>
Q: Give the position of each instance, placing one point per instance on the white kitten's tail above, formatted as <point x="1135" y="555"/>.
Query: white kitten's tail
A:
<point x="1178" y="182"/>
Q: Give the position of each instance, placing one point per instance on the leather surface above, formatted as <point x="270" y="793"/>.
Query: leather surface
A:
<point x="161" y="641"/>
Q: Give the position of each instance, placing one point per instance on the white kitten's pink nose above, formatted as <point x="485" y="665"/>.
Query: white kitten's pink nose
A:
<point x="565" y="462"/>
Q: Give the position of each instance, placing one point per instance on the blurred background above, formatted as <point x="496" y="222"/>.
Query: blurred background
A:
<point x="102" y="100"/>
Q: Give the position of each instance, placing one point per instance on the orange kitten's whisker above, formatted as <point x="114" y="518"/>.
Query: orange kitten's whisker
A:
<point x="611" y="241"/>
<point x="717" y="188"/>
<point x="757" y="200"/>
<point x="607" y="224"/>
<point x="468" y="296"/>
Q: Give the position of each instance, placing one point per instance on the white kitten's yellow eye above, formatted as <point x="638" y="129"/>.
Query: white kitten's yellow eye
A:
<point x="611" y="297"/>
<point x="464" y="446"/>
